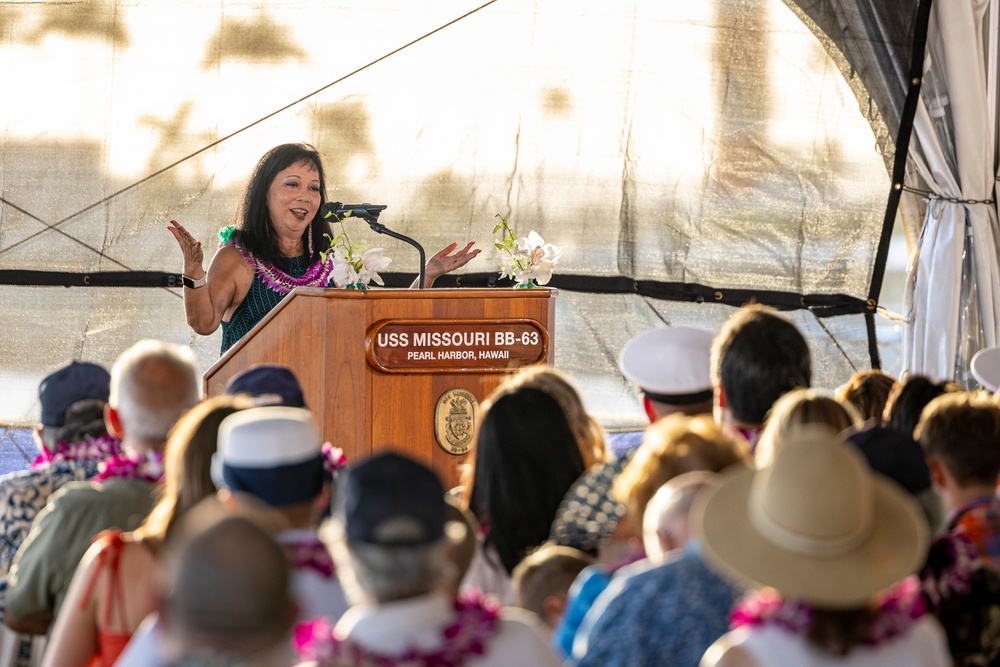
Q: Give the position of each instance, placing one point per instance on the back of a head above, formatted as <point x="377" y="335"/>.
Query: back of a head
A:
<point x="269" y="384"/>
<point x="187" y="462"/>
<point x="152" y="384"/>
<point x="669" y="510"/>
<point x="672" y="446"/>
<point x="226" y="585"/>
<point x="272" y="453"/>
<point x="962" y="430"/>
<point x="908" y="399"/>
<point x="867" y="391"/>
<point x="757" y="356"/>
<point x="526" y="460"/>
<point x="391" y="530"/>
<point x="72" y="402"/>
<point x="801" y="407"/>
<point x="548" y="571"/>
<point x="588" y="433"/>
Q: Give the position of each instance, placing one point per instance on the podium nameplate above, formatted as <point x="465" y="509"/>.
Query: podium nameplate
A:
<point x="455" y="346"/>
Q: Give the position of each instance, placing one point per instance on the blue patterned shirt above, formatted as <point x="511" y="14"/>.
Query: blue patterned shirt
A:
<point x="665" y="614"/>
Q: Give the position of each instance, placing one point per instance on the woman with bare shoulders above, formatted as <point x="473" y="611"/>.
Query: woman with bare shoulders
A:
<point x="275" y="247"/>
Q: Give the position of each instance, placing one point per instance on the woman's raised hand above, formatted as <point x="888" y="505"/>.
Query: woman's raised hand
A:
<point x="447" y="260"/>
<point x="191" y="247"/>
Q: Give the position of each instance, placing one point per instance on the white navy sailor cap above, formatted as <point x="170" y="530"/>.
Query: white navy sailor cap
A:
<point x="273" y="453"/>
<point x="670" y="364"/>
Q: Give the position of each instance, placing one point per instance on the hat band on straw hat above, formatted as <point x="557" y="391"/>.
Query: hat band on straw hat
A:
<point x="807" y="545"/>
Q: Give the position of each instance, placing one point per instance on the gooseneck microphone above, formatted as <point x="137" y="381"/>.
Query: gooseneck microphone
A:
<point x="369" y="213"/>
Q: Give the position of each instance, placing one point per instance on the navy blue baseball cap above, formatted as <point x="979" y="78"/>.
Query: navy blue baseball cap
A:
<point x="79" y="381"/>
<point x="392" y="500"/>
<point x="270" y="384"/>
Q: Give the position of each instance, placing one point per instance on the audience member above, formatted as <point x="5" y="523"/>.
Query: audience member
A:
<point x="900" y="458"/>
<point x="667" y="611"/>
<point x="665" y="523"/>
<point x="73" y="440"/>
<point x="114" y="587"/>
<point x="960" y="434"/>
<point x="226" y="598"/>
<point x="588" y="433"/>
<point x="961" y="593"/>
<point x="757" y="357"/>
<point x="588" y="517"/>
<point x="671" y="368"/>
<point x="390" y="539"/>
<point x="867" y="391"/>
<point x="832" y="545"/>
<point x="908" y="399"/>
<point x="672" y="446"/>
<point x="543" y="578"/>
<point x="964" y="595"/>
<point x="526" y="459"/>
<point x="275" y="455"/>
<point x="152" y="384"/>
<point x="268" y="384"/>
<point x="798" y="408"/>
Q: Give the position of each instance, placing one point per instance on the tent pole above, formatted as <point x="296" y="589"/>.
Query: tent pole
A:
<point x="992" y="72"/>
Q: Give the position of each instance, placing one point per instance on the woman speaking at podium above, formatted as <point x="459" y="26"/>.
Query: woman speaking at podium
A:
<point x="275" y="248"/>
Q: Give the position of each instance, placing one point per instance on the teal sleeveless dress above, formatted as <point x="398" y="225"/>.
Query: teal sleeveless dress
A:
<point x="258" y="302"/>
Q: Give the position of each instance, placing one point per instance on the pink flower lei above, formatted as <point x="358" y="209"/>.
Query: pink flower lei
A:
<point x="317" y="275"/>
<point x="474" y="623"/>
<point x="88" y="449"/>
<point x="333" y="458"/>
<point x="311" y="554"/>
<point x="898" y="609"/>
<point x="132" y="466"/>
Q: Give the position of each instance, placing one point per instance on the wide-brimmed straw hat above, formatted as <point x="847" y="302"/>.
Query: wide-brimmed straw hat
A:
<point x="816" y="525"/>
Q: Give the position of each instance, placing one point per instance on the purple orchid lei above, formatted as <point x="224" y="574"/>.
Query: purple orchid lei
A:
<point x="132" y="466"/>
<point x="317" y="275"/>
<point x="898" y="609"/>
<point x="466" y="636"/>
<point x="99" y="448"/>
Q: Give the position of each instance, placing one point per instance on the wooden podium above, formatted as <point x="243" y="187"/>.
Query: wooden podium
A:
<point x="398" y="369"/>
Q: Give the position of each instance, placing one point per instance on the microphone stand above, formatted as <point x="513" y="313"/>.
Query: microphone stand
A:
<point x="369" y="213"/>
<point x="379" y="228"/>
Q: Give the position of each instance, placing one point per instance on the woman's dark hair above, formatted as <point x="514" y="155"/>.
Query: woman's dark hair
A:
<point x="526" y="460"/>
<point x="84" y="419"/>
<point x="253" y="222"/>
<point x="909" y="398"/>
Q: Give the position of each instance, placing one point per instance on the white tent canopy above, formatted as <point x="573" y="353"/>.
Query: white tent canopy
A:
<point x="687" y="157"/>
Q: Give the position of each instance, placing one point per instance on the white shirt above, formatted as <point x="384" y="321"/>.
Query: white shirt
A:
<point x="393" y="627"/>
<point x="924" y="645"/>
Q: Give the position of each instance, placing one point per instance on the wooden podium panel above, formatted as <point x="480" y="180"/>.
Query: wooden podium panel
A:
<point x="367" y="396"/>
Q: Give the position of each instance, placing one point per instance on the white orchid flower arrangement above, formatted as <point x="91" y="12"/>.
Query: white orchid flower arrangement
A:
<point x="354" y="264"/>
<point x="528" y="259"/>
